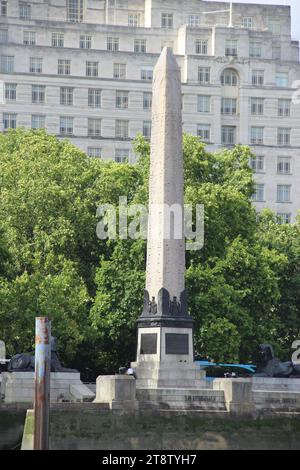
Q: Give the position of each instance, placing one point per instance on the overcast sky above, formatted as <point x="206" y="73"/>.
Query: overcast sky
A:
<point x="295" y="4"/>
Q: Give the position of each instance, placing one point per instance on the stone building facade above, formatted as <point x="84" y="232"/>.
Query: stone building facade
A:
<point x="83" y="70"/>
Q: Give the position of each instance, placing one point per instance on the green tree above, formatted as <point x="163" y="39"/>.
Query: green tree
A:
<point x="49" y="193"/>
<point x="243" y="285"/>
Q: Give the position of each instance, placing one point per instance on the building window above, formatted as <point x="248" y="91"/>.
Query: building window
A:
<point x="95" y="152"/>
<point x="255" y="49"/>
<point x="3" y="36"/>
<point x="231" y="47"/>
<point x="284" y="136"/>
<point x="122" y="98"/>
<point x="139" y="45"/>
<point x="37" y="121"/>
<point x="9" y="121"/>
<point x="94" y="127"/>
<point x="284" y="107"/>
<point x="283" y="193"/>
<point x="257" y="106"/>
<point x="57" y="40"/>
<point x="274" y="26"/>
<point x="257" y="163"/>
<point x="201" y="46"/>
<point x="36" y="65"/>
<point x="38" y="94"/>
<point x="113" y="44"/>
<point x="94" y="98"/>
<point x="229" y="78"/>
<point x="122" y="155"/>
<point x="64" y="67"/>
<point x="259" y="193"/>
<point x="121" y="130"/>
<point x="276" y="52"/>
<point x="257" y="135"/>
<point x="203" y="131"/>
<point x="167" y="20"/>
<point x="134" y="20"/>
<point x="91" y="69"/>
<point x="228" y="106"/>
<point x="283" y="218"/>
<point x="66" y="125"/>
<point x="147" y="100"/>
<point x="204" y="75"/>
<point x="257" y="77"/>
<point x="29" y="38"/>
<point x="74" y="11"/>
<point x="194" y="21"/>
<point x="247" y="22"/>
<point x="25" y="11"/>
<point x="284" y="165"/>
<point x="147" y="129"/>
<point x="120" y="71"/>
<point x="3" y="7"/>
<point x="10" y="91"/>
<point x="203" y="105"/>
<point x="282" y="79"/>
<point x="228" y="135"/>
<point x="66" y="96"/>
<point x="147" y="73"/>
<point x="85" y="41"/>
<point x="7" y="63"/>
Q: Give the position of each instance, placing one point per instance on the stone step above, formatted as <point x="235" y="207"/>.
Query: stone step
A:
<point x="177" y="405"/>
<point x="181" y="399"/>
<point x="180" y="392"/>
<point x="275" y="384"/>
<point x="152" y="383"/>
<point x="277" y="400"/>
<point x="168" y="374"/>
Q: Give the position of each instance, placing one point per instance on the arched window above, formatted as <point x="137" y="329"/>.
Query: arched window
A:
<point x="229" y="78"/>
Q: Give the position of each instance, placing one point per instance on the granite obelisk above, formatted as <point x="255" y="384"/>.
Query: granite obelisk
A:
<point x="165" y="340"/>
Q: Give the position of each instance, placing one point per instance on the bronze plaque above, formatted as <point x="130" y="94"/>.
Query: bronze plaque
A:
<point x="148" y="343"/>
<point x="177" y="343"/>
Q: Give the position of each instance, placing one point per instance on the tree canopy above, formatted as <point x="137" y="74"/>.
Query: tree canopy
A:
<point x="243" y="286"/>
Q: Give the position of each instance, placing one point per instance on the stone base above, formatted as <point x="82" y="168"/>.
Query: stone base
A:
<point x="276" y="396"/>
<point x="180" y="399"/>
<point x="18" y="387"/>
<point x="238" y="395"/>
<point x="119" y="391"/>
<point x="151" y="375"/>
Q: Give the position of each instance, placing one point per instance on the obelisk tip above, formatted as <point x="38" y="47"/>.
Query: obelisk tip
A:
<point x="167" y="60"/>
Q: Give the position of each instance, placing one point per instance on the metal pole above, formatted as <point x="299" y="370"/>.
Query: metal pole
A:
<point x="42" y="383"/>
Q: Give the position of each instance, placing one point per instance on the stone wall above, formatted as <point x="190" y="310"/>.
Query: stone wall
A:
<point x="94" y="427"/>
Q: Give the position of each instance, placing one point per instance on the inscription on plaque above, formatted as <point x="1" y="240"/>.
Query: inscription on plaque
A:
<point x="149" y="343"/>
<point x="177" y="343"/>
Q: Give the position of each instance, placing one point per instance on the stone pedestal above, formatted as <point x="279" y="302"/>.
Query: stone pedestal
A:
<point x="165" y="358"/>
<point x="238" y="395"/>
<point x="119" y="391"/>
<point x="18" y="387"/>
